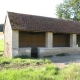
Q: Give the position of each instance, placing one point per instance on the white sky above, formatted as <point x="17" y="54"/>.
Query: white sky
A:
<point x="35" y="7"/>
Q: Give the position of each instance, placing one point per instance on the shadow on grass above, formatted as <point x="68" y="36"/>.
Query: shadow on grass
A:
<point x="25" y="57"/>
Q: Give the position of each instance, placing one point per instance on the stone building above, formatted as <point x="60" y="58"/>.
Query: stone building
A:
<point x="29" y="35"/>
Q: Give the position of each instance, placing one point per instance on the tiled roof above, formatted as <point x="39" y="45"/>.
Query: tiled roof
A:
<point x="37" y="23"/>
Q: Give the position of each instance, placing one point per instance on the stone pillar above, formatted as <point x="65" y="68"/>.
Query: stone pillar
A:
<point x="15" y="39"/>
<point x="15" y="42"/>
<point x="72" y="40"/>
<point x="49" y="39"/>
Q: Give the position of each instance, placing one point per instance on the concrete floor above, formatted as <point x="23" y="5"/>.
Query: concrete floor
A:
<point x="62" y="61"/>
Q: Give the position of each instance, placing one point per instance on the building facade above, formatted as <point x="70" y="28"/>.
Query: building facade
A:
<point x="50" y="36"/>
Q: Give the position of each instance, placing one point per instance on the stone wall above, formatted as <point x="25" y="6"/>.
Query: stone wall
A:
<point x="22" y="52"/>
<point x="15" y="42"/>
<point x="42" y="52"/>
<point x="7" y="38"/>
<point x="49" y="50"/>
<point x="53" y="51"/>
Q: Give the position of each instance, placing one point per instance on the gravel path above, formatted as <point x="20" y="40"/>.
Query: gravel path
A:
<point x="62" y="61"/>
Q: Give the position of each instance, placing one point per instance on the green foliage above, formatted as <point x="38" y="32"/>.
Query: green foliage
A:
<point x="1" y="45"/>
<point x="69" y="9"/>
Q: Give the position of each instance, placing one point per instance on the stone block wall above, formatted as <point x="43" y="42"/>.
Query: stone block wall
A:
<point x="22" y="52"/>
<point x="53" y="51"/>
<point x="7" y="38"/>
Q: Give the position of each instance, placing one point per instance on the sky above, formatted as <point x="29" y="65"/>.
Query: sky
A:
<point x="45" y="8"/>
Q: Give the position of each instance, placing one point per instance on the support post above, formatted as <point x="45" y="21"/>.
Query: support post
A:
<point x="49" y="39"/>
<point x="72" y="40"/>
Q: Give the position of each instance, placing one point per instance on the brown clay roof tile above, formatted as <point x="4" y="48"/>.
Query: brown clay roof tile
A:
<point x="37" y="23"/>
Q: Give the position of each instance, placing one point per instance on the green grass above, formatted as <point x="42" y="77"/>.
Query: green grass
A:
<point x="72" y="72"/>
<point x="47" y="72"/>
<point x="36" y="69"/>
<point x="1" y="45"/>
<point x="17" y="63"/>
<point x="29" y="74"/>
<point x="27" y="69"/>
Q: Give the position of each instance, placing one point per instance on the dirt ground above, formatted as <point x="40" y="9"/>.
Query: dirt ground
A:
<point x="62" y="61"/>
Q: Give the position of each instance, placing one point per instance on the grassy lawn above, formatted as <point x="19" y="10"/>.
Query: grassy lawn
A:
<point x="1" y="45"/>
<point x="36" y="69"/>
<point x="27" y="69"/>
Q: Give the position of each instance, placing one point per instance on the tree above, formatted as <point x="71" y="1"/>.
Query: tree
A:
<point x="69" y="9"/>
